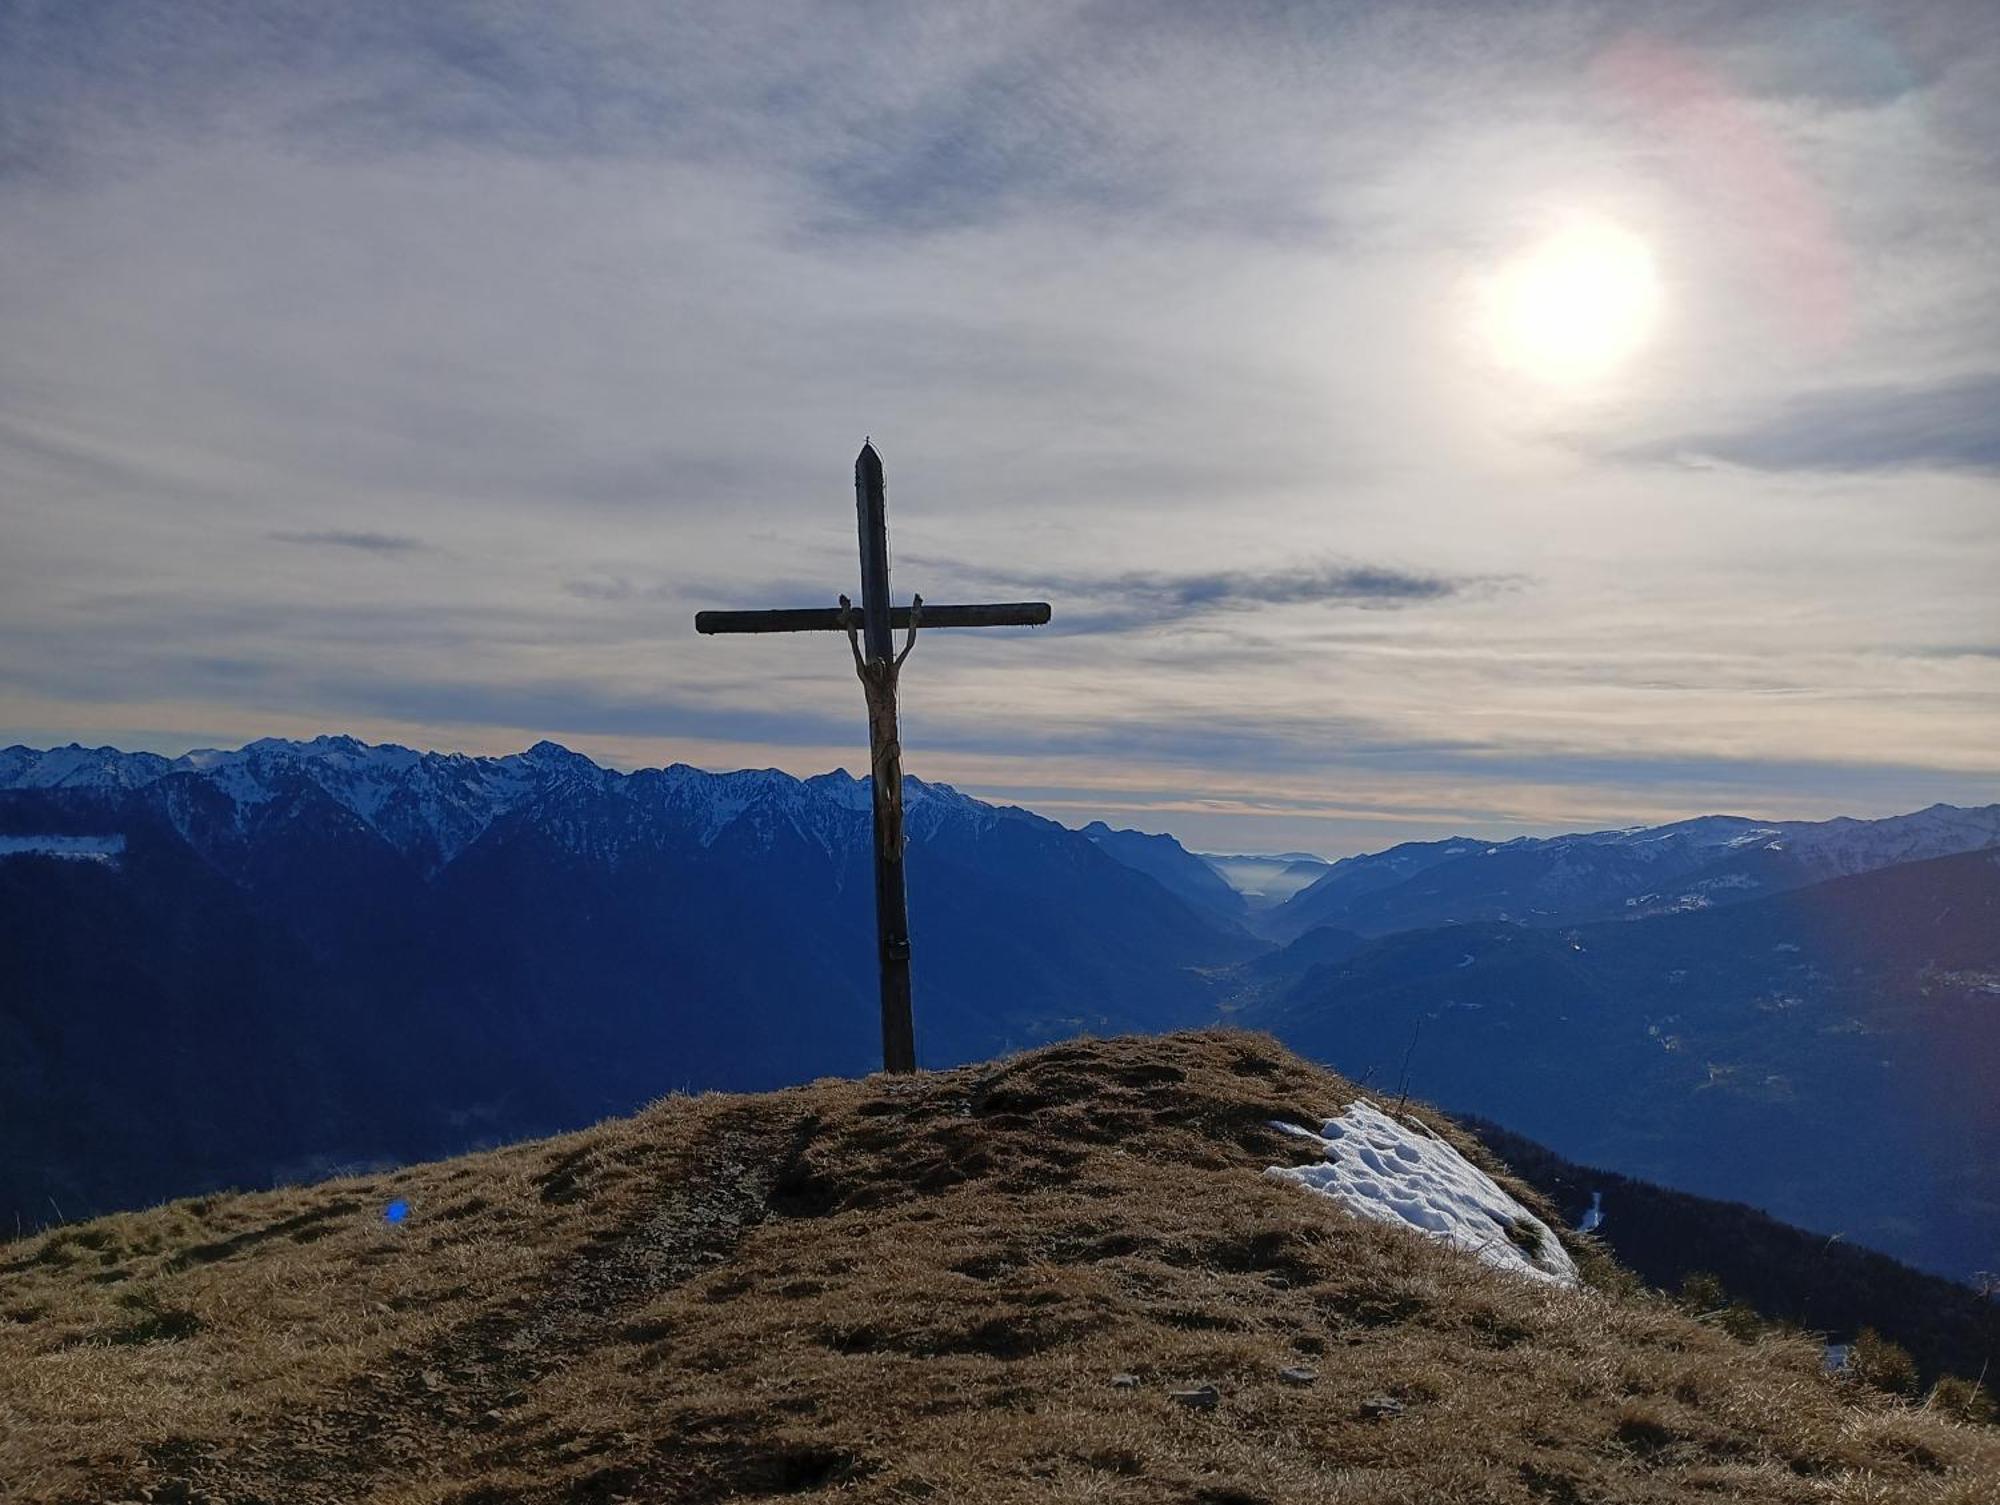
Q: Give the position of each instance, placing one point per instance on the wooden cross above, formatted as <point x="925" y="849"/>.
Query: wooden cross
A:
<point x="869" y="636"/>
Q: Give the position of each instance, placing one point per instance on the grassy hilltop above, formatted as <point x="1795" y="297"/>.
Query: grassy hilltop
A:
<point x="892" y="1290"/>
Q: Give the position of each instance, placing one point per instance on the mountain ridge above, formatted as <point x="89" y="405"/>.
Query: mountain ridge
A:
<point x="437" y="802"/>
<point x="1634" y="872"/>
<point x="433" y="804"/>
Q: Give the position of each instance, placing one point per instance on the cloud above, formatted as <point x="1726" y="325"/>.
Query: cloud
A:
<point x="574" y="318"/>
<point x="1945" y="426"/>
<point x="1176" y="595"/>
<point x="1138" y="600"/>
<point x="366" y="543"/>
<point x="1134" y="600"/>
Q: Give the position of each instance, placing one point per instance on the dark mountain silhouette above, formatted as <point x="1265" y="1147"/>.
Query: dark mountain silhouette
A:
<point x="1176" y="869"/>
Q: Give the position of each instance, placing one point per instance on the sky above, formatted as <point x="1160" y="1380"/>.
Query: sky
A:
<point x="1496" y="417"/>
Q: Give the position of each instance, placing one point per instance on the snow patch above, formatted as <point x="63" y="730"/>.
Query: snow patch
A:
<point x="1752" y="837"/>
<point x="1380" y="1168"/>
<point x="75" y="848"/>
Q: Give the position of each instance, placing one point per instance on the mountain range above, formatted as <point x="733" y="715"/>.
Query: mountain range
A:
<point x="227" y="967"/>
<point x="1538" y="881"/>
<point x="1705" y="863"/>
<point x="231" y="967"/>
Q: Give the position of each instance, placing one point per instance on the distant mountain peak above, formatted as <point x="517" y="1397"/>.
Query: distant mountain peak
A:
<point x="548" y="753"/>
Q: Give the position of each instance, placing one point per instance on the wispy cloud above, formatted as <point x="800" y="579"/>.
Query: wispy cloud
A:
<point x="1948" y="425"/>
<point x="1133" y="600"/>
<point x="365" y="543"/>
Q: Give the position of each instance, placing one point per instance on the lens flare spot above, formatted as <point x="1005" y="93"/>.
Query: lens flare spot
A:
<point x="395" y="1212"/>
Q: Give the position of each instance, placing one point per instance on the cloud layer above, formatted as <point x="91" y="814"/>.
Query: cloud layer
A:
<point x="419" y="370"/>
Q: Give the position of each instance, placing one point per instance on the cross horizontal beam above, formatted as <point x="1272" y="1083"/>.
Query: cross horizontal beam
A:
<point x="834" y="618"/>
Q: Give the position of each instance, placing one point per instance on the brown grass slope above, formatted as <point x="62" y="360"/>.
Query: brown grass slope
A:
<point x="893" y="1290"/>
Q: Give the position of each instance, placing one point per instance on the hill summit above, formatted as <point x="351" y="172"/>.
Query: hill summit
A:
<point x="1073" y="1274"/>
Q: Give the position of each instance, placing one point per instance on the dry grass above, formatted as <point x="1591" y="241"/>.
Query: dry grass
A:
<point x="898" y="1290"/>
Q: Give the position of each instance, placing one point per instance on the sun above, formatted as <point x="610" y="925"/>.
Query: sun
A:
<point x="1576" y="306"/>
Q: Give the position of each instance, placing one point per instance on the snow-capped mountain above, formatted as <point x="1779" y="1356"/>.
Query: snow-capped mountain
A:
<point x="1842" y="847"/>
<point x="430" y="806"/>
<point x="77" y="767"/>
<point x="1836" y="848"/>
<point x="1631" y="874"/>
<point x="224" y="966"/>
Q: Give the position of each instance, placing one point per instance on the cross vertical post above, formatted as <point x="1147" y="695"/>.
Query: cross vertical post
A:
<point x="870" y="635"/>
<point x="879" y="669"/>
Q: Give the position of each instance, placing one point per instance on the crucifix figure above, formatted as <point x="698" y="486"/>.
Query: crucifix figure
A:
<point x="869" y="630"/>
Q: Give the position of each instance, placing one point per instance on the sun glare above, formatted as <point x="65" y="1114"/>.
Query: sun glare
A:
<point x="1576" y="306"/>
